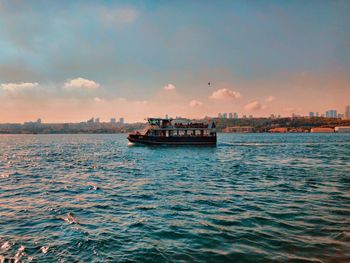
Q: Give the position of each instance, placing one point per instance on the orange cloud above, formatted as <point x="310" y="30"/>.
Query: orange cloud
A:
<point x="169" y="87"/>
<point x="254" y="106"/>
<point x="81" y="83"/>
<point x="18" y="86"/>
<point x="269" y="98"/>
<point x="225" y="94"/>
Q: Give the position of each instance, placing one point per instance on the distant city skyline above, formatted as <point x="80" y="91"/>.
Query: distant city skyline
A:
<point x="224" y="115"/>
<point x="69" y="60"/>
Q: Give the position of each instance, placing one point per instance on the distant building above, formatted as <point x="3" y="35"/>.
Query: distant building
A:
<point x="90" y="120"/>
<point x="343" y="129"/>
<point x="33" y="123"/>
<point x="113" y="120"/>
<point x="166" y="116"/>
<point x="278" y="130"/>
<point x="235" y="115"/>
<point x="322" y="130"/>
<point x="230" y="115"/>
<point x="317" y="114"/>
<point x="97" y="120"/>
<point x="224" y="115"/>
<point x="251" y="117"/>
<point x="244" y="116"/>
<point x="311" y="114"/>
<point x="331" y="114"/>
<point x="219" y="115"/>
<point x="347" y="112"/>
<point x="121" y="120"/>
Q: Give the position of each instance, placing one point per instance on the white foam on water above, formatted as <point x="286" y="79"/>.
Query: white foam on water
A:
<point x="44" y="249"/>
<point x="19" y="254"/>
<point x="71" y="219"/>
<point x="6" y="246"/>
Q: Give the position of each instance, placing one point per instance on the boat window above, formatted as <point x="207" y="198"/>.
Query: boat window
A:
<point x="181" y="133"/>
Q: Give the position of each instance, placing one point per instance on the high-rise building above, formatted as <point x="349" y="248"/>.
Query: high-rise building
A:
<point x="113" y="120"/>
<point x="121" y="120"/>
<point x="235" y="115"/>
<point x="331" y="114"/>
<point x="311" y="114"/>
<point x="224" y="115"/>
<point x="220" y="115"/>
<point x="347" y="111"/>
<point x="334" y="114"/>
<point x="230" y="115"/>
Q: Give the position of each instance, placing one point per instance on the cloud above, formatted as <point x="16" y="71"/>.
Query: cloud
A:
<point x="97" y="99"/>
<point x="115" y="16"/>
<point x="81" y="83"/>
<point x="18" y="86"/>
<point x="254" y="106"/>
<point x="195" y="103"/>
<point x="225" y="94"/>
<point x="169" y="87"/>
<point x="270" y="99"/>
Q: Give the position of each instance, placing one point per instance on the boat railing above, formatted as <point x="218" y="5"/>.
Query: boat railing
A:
<point x="183" y="129"/>
<point x="191" y="125"/>
<point x="141" y="132"/>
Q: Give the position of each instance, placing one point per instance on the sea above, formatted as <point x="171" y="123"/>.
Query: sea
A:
<point x="252" y="198"/>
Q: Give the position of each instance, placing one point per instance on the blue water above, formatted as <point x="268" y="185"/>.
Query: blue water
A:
<point x="253" y="198"/>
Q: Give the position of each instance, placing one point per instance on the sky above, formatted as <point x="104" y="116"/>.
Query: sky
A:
<point x="68" y="61"/>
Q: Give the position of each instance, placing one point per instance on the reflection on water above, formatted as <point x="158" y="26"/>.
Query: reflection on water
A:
<point x="254" y="197"/>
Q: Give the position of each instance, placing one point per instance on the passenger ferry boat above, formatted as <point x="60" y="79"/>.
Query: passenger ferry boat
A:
<point x="171" y="132"/>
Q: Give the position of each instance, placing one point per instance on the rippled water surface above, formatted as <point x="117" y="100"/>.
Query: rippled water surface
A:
<point x="254" y="197"/>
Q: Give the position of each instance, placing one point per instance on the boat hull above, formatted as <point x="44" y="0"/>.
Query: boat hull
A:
<point x="173" y="140"/>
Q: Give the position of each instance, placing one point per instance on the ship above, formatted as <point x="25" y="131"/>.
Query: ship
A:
<point x="174" y="132"/>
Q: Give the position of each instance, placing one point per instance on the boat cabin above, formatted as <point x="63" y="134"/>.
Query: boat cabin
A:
<point x="171" y="128"/>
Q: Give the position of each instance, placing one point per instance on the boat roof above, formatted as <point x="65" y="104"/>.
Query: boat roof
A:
<point x="159" y="119"/>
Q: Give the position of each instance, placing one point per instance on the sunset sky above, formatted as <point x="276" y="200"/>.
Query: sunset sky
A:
<point x="67" y="61"/>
